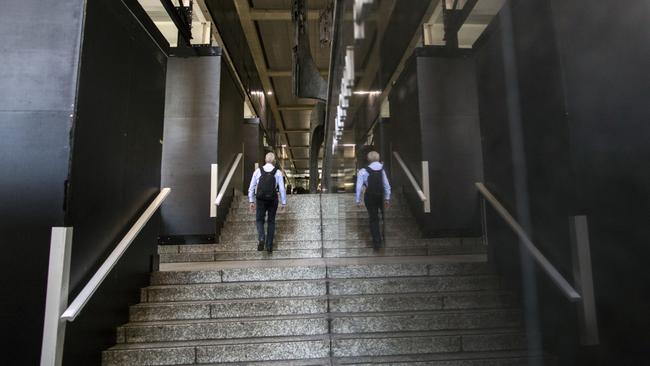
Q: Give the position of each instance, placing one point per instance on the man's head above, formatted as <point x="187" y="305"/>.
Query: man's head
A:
<point x="373" y="156"/>
<point x="270" y="158"/>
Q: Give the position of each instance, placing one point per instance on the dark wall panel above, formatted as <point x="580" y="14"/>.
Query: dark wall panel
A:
<point x="230" y="134"/>
<point x="604" y="51"/>
<point x="450" y="139"/>
<point x="115" y="170"/>
<point x="582" y="82"/>
<point x="37" y="91"/>
<point x="404" y="126"/>
<point x="190" y="143"/>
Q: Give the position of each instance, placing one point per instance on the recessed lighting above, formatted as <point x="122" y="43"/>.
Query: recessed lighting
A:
<point x="269" y="93"/>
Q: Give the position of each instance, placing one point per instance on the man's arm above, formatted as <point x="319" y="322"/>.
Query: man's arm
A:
<point x="253" y="185"/>
<point x="360" y="181"/>
<point x="283" y="192"/>
<point x="387" y="190"/>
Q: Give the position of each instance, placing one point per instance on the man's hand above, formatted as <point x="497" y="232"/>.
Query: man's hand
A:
<point x="283" y="207"/>
<point x="251" y="207"/>
<point x="386" y="204"/>
<point x="360" y="204"/>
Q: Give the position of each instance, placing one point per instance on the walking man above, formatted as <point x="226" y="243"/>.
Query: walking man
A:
<point x="263" y="198"/>
<point x="377" y="195"/>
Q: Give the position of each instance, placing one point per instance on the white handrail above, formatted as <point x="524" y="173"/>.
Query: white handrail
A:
<point x="226" y="182"/>
<point x="410" y="176"/>
<point x="423" y="193"/>
<point x="80" y="301"/>
<point x="550" y="270"/>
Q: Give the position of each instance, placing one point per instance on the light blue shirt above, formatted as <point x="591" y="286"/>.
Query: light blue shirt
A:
<point x="362" y="180"/>
<point x="279" y="182"/>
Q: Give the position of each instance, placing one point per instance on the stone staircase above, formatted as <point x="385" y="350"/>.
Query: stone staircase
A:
<point x="323" y="297"/>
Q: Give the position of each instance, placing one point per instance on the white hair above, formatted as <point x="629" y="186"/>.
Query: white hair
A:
<point x="373" y="156"/>
<point x="270" y="158"/>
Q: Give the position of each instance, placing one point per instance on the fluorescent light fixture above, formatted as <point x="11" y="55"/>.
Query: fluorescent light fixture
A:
<point x="269" y="93"/>
<point x="367" y="92"/>
<point x="349" y="184"/>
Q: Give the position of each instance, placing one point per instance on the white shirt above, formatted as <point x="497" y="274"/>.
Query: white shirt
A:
<point x="279" y="182"/>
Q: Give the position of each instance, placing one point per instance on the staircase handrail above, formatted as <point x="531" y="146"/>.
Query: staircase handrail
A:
<point x="226" y="182"/>
<point x="422" y="192"/>
<point x="544" y="263"/>
<point x="71" y="313"/>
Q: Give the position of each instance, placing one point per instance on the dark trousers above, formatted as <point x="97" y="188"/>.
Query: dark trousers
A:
<point x="264" y="207"/>
<point x="374" y="204"/>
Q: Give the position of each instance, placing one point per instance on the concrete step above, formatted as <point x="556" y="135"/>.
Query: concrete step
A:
<point x="319" y="304"/>
<point x="309" y="225"/>
<point x="297" y="351"/>
<point x="282" y="236"/>
<point x="433" y="246"/>
<point x="233" y="290"/>
<point x="404" y="321"/>
<point x="357" y="286"/>
<point x="390" y="344"/>
<point x="228" y="309"/>
<point x="423" y="301"/>
<point x="495" y="358"/>
<point x="321" y="270"/>
<point x="245" y="215"/>
<point x="229" y="328"/>
<point x="240" y="255"/>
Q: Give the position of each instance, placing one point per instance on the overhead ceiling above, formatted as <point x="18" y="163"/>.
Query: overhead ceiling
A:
<point x="269" y="25"/>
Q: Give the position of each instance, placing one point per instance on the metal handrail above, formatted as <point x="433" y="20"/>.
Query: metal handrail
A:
<point x="226" y="182"/>
<point x="548" y="268"/>
<point x="410" y="176"/>
<point x="87" y="292"/>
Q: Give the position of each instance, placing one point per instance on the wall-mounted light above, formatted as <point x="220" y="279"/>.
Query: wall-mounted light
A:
<point x="269" y="93"/>
<point x="367" y="92"/>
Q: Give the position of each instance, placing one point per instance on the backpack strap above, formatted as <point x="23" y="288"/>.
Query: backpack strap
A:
<point x="275" y="170"/>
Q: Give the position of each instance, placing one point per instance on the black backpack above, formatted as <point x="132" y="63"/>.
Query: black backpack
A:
<point x="375" y="185"/>
<point x="266" y="185"/>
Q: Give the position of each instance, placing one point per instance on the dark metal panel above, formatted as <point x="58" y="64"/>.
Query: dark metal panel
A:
<point x="190" y="144"/>
<point x="115" y="169"/>
<point x="37" y="89"/>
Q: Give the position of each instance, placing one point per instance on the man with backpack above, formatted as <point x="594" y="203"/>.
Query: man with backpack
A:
<point x="263" y="198"/>
<point x="377" y="195"/>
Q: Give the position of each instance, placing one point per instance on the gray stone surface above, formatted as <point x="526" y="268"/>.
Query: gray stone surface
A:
<point x="370" y="252"/>
<point x="263" y="351"/>
<point x="410" y="322"/>
<point x="412" y="284"/>
<point x="494" y="342"/>
<point x="225" y="329"/>
<point x="377" y="270"/>
<point x="239" y="290"/>
<point x="154" y="312"/>
<point x="377" y="303"/>
<point x="186" y="257"/>
<point x="149" y="356"/>
<point x="185" y="277"/>
<point x="273" y="273"/>
<point x="480" y="299"/>
<point x="441" y="269"/>
<point x="399" y="345"/>
<point x="268" y="307"/>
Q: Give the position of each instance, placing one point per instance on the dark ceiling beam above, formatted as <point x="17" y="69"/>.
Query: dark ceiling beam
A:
<point x="297" y="131"/>
<point x="296" y="107"/>
<point x="288" y="73"/>
<point x="285" y="15"/>
<point x="184" y="28"/>
<point x="255" y="45"/>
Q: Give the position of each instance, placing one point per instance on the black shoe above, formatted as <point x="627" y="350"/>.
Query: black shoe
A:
<point x="260" y="246"/>
<point x="270" y="248"/>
